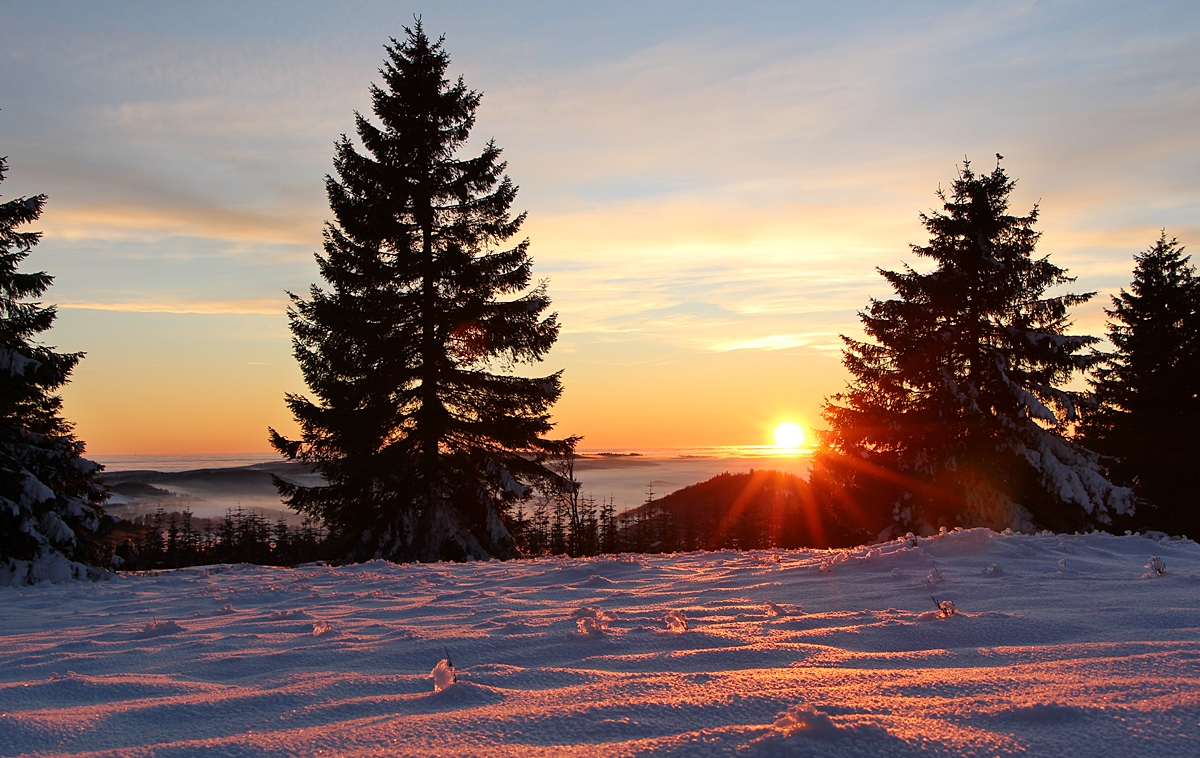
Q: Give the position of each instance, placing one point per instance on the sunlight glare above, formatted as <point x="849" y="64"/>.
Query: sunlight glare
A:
<point x="789" y="435"/>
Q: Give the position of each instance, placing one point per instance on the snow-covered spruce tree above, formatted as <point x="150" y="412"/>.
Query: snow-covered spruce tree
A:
<point x="49" y="496"/>
<point x="1148" y="391"/>
<point x="956" y="414"/>
<point x="421" y="429"/>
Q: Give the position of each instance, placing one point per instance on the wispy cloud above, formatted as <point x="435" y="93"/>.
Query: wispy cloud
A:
<point x="268" y="307"/>
<point x="130" y="221"/>
<point x="817" y="340"/>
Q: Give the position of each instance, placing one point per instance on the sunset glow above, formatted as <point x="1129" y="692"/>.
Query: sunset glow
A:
<point x="789" y="436"/>
<point x="708" y="199"/>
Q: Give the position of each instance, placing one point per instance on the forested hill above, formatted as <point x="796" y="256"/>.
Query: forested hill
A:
<point x="759" y="509"/>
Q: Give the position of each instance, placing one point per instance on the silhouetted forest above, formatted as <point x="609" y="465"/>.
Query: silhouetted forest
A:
<point x="176" y="539"/>
<point x="745" y="511"/>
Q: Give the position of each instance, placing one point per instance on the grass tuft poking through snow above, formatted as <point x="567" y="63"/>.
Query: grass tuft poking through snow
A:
<point x="323" y="629"/>
<point x="1156" y="565"/>
<point x="443" y="674"/>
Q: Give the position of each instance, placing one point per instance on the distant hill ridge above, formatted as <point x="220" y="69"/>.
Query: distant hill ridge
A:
<point x="755" y="510"/>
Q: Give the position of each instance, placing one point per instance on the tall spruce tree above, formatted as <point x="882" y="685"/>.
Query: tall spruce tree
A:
<point x="1148" y="391"/>
<point x="956" y="414"/>
<point x="420" y="427"/>
<point x="49" y="495"/>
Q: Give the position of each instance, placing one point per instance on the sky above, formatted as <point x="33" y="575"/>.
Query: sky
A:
<point x="710" y="186"/>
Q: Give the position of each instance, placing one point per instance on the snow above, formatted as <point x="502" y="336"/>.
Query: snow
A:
<point x="48" y="566"/>
<point x="676" y="621"/>
<point x="55" y="529"/>
<point x="443" y="675"/>
<point x="825" y="653"/>
<point x="34" y="491"/>
<point x="15" y="364"/>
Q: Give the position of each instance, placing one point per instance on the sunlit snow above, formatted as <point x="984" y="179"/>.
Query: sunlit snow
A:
<point x="1059" y="645"/>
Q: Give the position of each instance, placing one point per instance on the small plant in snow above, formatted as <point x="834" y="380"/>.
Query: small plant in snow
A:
<point x="1156" y="565"/>
<point x="934" y="577"/>
<point x="946" y="608"/>
<point x="993" y="570"/>
<point x="443" y="673"/>
<point x="320" y="629"/>
<point x="675" y="621"/>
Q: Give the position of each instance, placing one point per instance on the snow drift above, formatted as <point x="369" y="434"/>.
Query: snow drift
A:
<point x="1058" y="642"/>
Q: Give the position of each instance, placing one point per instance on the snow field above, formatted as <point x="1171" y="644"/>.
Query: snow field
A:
<point x="1060" y="645"/>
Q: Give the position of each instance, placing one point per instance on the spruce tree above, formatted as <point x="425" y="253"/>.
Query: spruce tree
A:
<point x="421" y="428"/>
<point x="49" y="495"/>
<point x="956" y="412"/>
<point x="1147" y="391"/>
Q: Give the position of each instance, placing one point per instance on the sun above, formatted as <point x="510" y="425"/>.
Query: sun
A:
<point x="789" y="436"/>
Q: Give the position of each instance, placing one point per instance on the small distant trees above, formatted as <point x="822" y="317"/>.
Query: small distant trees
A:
<point x="49" y="495"/>
<point x="1147" y="391"/>
<point x="420" y="427"/>
<point x="956" y="413"/>
<point x="239" y="537"/>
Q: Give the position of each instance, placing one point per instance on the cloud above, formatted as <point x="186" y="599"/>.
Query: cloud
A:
<point x="141" y="221"/>
<point x="728" y="181"/>
<point x="819" y="340"/>
<point x="269" y="307"/>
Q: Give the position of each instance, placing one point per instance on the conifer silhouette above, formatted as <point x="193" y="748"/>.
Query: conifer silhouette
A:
<point x="49" y="495"/>
<point x="420" y="426"/>
<point x="1148" y="390"/>
<point x="956" y="414"/>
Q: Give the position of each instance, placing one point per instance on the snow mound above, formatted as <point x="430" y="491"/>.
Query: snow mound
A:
<point x="156" y="628"/>
<point x="288" y="615"/>
<point x="49" y="567"/>
<point x="593" y="621"/>
<point x="597" y="581"/>
<point x="675" y="621"/>
<point x="589" y="626"/>
<point x="443" y="675"/>
<point x="1043" y="713"/>
<point x="804" y="730"/>
<point x="805" y="720"/>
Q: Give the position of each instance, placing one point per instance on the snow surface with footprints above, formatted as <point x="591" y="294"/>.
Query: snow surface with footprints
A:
<point x="1061" y="645"/>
